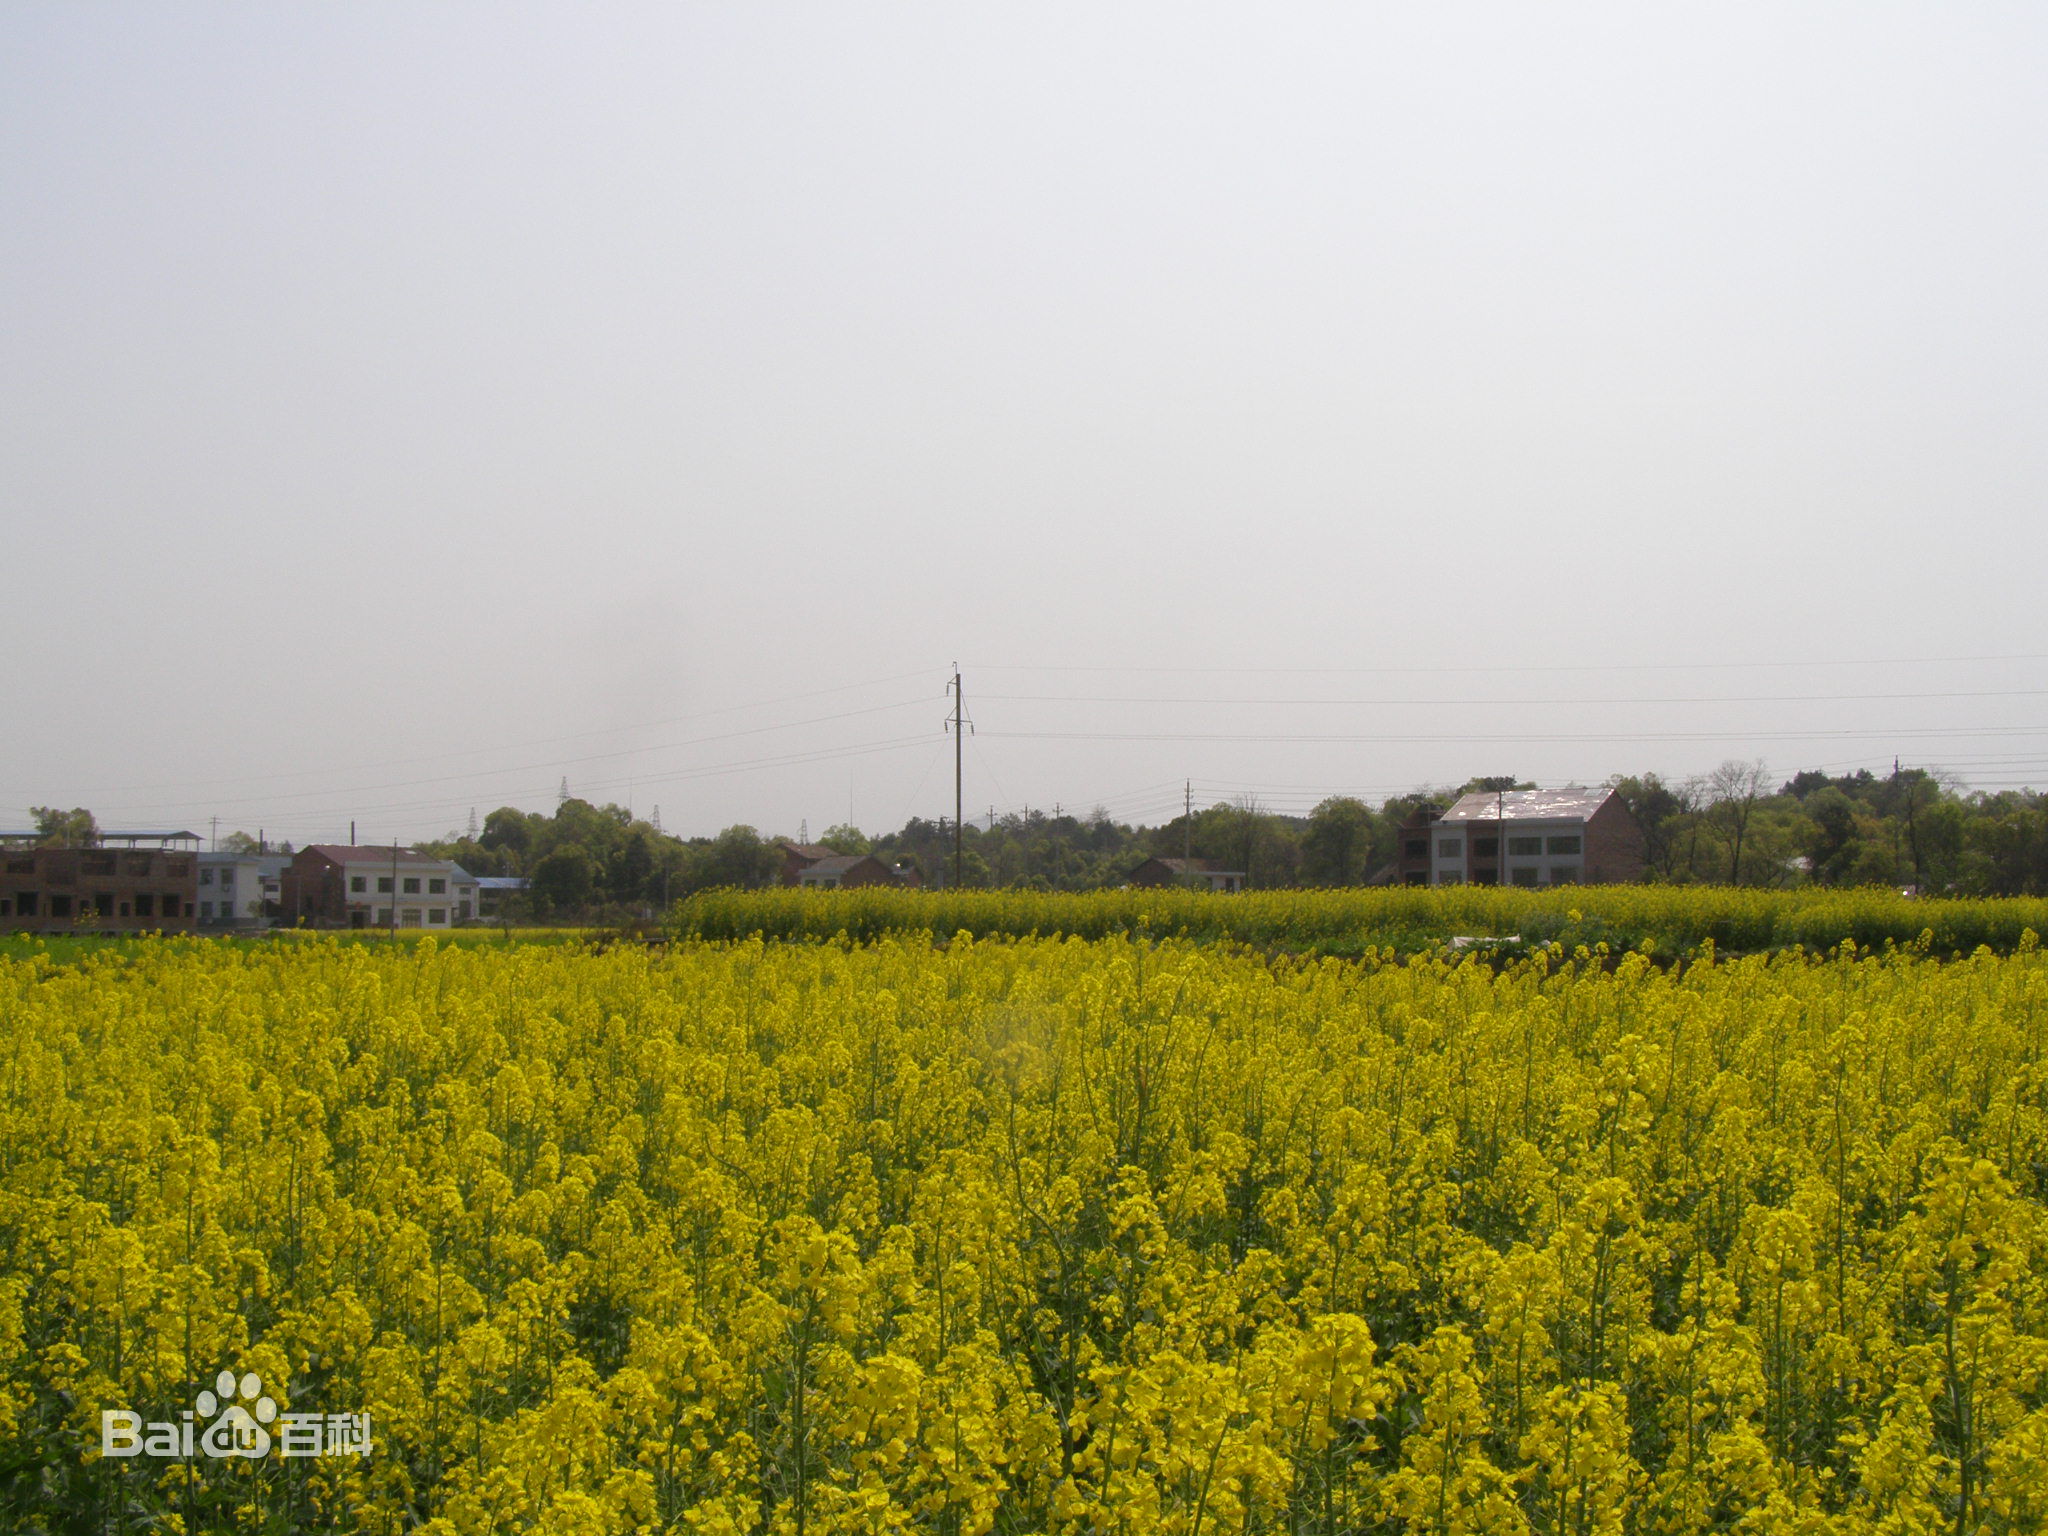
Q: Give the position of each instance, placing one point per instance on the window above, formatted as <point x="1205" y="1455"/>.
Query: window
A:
<point x="21" y="866"/>
<point x="437" y="917"/>
<point x="145" y="904"/>
<point x="1450" y="847"/>
<point x="462" y="913"/>
<point x="96" y="864"/>
<point x="24" y="903"/>
<point x="1419" y="849"/>
<point x="205" y="907"/>
<point x="1564" y="874"/>
<point x="357" y="884"/>
<point x="1486" y="847"/>
<point x="60" y="906"/>
<point x="227" y="877"/>
<point x="383" y="885"/>
<point x="1561" y="845"/>
<point x="171" y="904"/>
<point x="6" y="908"/>
<point x="437" y="887"/>
<point x="1524" y="847"/>
<point x="409" y="918"/>
<point x="383" y="917"/>
<point x="206" y="877"/>
<point x="412" y="885"/>
<point x="1449" y="877"/>
<point x="1526" y="875"/>
<point x="103" y="904"/>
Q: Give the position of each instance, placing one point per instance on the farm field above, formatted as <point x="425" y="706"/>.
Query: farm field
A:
<point x="1029" y="1234"/>
<point x="1667" y="920"/>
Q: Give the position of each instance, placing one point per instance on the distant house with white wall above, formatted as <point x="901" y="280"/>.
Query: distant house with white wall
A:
<point x="1533" y="837"/>
<point x="240" y="890"/>
<point x="339" y="885"/>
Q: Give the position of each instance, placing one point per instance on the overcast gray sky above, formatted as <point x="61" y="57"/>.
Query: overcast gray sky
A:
<point x="404" y="407"/>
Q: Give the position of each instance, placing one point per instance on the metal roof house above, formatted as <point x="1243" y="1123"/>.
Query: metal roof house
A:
<point x="1535" y="837"/>
<point x="846" y="869"/>
<point x="1202" y="874"/>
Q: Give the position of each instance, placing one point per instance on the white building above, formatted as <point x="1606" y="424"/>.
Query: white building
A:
<point x="240" y="890"/>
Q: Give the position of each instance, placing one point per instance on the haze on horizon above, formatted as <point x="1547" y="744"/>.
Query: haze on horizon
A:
<point x="403" y="409"/>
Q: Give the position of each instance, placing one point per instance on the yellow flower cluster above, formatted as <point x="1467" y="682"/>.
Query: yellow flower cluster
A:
<point x="1031" y="1235"/>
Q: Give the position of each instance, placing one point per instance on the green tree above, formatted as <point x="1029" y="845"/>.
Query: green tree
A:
<point x="1337" y="847"/>
<point x="74" y="828"/>
<point x="738" y="856"/>
<point x="563" y="880"/>
<point x="846" y="838"/>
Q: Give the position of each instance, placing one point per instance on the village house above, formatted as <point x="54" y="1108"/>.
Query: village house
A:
<point x="1202" y="874"/>
<point x="112" y="885"/>
<point x="241" y="890"/>
<point x="339" y="885"/>
<point x="848" y="870"/>
<point x="1536" y="836"/>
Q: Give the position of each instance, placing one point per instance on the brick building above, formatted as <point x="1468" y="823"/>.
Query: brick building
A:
<point x="1550" y="837"/>
<point x="847" y="869"/>
<point x="113" y="885"/>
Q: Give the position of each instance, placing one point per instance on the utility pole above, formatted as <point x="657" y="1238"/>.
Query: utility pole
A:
<point x="959" y="768"/>
<point x="1187" y="832"/>
<point x="216" y="831"/>
<point x="1500" y="843"/>
<point x="393" y="909"/>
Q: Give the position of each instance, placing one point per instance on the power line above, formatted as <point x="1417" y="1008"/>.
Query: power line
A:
<point x="1273" y="738"/>
<point x="544" y="741"/>
<point x="1762" y="698"/>
<point x="1671" y="666"/>
<point x="596" y="757"/>
<point x="677" y="776"/>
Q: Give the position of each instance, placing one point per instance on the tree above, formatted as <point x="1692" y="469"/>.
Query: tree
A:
<point x="1337" y="847"/>
<point x="74" y="828"/>
<point x="846" y="838"/>
<point x="1733" y="790"/>
<point x="563" y="880"/>
<point x="510" y="831"/>
<point x="738" y="856"/>
<point x="1835" y="842"/>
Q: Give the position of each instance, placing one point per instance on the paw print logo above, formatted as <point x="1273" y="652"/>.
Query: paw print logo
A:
<point x="238" y="1431"/>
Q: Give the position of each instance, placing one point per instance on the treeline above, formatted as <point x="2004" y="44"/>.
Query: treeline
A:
<point x="1735" y="826"/>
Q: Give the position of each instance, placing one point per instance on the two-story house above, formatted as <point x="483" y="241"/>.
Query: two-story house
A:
<point x="1533" y="837"/>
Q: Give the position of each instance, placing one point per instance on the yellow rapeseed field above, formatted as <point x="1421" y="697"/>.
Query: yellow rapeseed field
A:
<point x="1029" y="1235"/>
